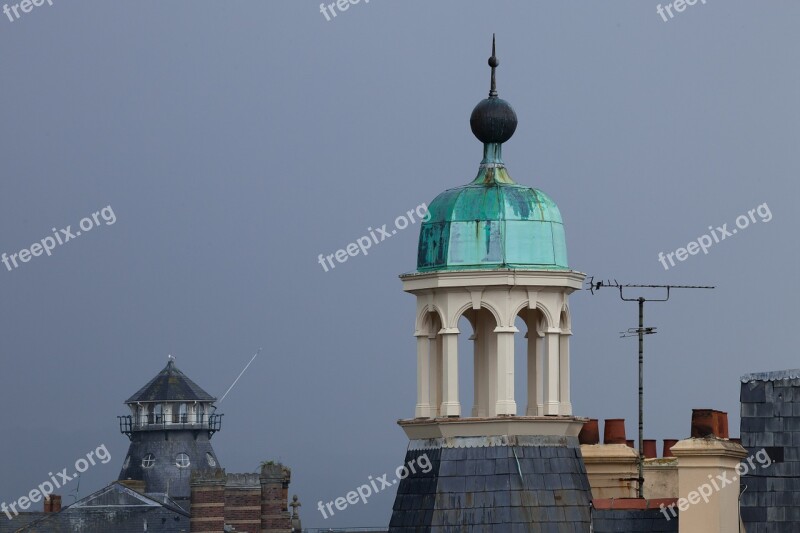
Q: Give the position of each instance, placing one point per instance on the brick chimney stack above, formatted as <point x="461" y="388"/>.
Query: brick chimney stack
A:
<point x="208" y="503"/>
<point x="52" y="504"/>
<point x="275" y="517"/>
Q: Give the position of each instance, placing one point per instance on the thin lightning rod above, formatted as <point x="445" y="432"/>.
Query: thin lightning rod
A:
<point x="240" y="375"/>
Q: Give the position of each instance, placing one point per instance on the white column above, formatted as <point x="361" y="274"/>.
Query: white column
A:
<point x="541" y="352"/>
<point x="479" y="375"/>
<point x="450" y="403"/>
<point x="423" y="409"/>
<point x="551" y="380"/>
<point x="483" y="407"/>
<point x="435" y="357"/>
<point x="534" y="388"/>
<point x="564" y="399"/>
<point x="505" y="404"/>
<point x="485" y="369"/>
<point x="490" y="362"/>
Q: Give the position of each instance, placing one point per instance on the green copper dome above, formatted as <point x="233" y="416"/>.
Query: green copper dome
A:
<point x="492" y="222"/>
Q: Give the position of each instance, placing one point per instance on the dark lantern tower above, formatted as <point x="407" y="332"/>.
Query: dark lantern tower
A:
<point x="170" y="426"/>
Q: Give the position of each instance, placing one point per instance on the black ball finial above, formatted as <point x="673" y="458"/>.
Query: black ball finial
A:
<point x="493" y="120"/>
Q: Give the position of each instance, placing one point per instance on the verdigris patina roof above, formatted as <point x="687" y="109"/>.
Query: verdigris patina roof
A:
<point x="492" y="223"/>
<point x="171" y="385"/>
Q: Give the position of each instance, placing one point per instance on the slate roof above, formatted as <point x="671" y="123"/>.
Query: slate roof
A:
<point x="113" y="508"/>
<point x="770" y="425"/>
<point x="778" y="375"/>
<point x="632" y="521"/>
<point x="171" y="385"/>
<point x="16" y="522"/>
<point x="508" y="487"/>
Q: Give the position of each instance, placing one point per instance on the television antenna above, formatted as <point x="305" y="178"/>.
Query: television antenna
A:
<point x="640" y="332"/>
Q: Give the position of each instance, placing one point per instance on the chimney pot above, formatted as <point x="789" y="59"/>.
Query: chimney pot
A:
<point x="52" y="504"/>
<point x="590" y="433"/>
<point x="668" y="444"/>
<point x="614" y="431"/>
<point x="707" y="422"/>
<point x="650" y="449"/>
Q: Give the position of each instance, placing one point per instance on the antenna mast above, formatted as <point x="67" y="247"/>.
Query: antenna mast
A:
<point x="640" y="332"/>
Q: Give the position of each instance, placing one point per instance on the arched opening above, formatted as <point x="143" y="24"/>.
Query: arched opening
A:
<point x="484" y="361"/>
<point x="441" y="374"/>
<point x="429" y="366"/>
<point x="521" y="365"/>
<point x="530" y="361"/>
<point x="466" y="365"/>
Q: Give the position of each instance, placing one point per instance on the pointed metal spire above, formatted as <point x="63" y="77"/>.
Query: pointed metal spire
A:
<point x="494" y="63"/>
<point x="493" y="120"/>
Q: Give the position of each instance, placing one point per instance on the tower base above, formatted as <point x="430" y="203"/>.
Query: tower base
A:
<point x="494" y="483"/>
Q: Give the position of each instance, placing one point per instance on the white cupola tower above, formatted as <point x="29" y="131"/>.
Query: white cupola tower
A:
<point x="491" y="251"/>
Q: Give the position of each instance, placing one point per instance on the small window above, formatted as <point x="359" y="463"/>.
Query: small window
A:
<point x="182" y="460"/>
<point x="211" y="461"/>
<point x="149" y="460"/>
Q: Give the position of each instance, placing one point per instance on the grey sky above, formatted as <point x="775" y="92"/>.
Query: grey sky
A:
<point x="235" y="141"/>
